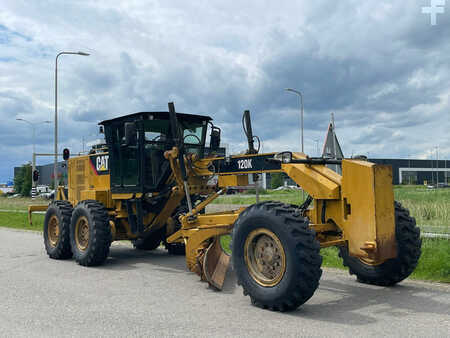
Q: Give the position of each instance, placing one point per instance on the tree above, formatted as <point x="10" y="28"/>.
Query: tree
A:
<point x="26" y="186"/>
<point x="18" y="181"/>
<point x="277" y="180"/>
<point x="22" y="180"/>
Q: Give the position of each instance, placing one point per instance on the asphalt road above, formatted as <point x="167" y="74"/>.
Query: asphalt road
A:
<point x="153" y="294"/>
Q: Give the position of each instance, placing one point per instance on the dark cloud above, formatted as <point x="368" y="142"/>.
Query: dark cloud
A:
<point x="379" y="66"/>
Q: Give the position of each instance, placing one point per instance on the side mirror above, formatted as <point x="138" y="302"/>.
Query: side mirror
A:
<point x="101" y="130"/>
<point x="214" y="142"/>
<point x="66" y="154"/>
<point x="130" y="134"/>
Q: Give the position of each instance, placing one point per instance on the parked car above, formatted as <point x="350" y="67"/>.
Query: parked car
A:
<point x="48" y="195"/>
<point x="42" y="189"/>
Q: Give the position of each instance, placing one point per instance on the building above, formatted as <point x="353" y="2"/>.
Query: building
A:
<point x="413" y="171"/>
<point x="405" y="171"/>
<point x="46" y="173"/>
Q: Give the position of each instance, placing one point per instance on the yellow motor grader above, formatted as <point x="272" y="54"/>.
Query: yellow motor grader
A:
<point x="152" y="181"/>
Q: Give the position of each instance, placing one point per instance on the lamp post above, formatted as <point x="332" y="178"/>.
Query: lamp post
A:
<point x="317" y="147"/>
<point x="301" y="103"/>
<point x="437" y="167"/>
<point x="446" y="180"/>
<point x="83" y="140"/>
<point x="409" y="168"/>
<point x="33" y="127"/>
<point x="55" y="166"/>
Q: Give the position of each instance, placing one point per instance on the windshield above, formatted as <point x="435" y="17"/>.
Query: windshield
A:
<point x="156" y="131"/>
<point x="192" y="133"/>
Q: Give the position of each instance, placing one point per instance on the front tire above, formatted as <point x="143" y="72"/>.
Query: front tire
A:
<point x="393" y="270"/>
<point x="276" y="256"/>
<point x="90" y="233"/>
<point x="57" y="230"/>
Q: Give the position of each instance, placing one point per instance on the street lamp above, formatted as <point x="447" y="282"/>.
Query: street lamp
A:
<point x="33" y="127"/>
<point x="437" y="166"/>
<point x="317" y="147"/>
<point x="301" y="103"/>
<point x="55" y="166"/>
<point x="409" y="168"/>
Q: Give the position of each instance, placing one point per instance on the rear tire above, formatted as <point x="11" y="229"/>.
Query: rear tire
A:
<point x="90" y="233"/>
<point x="57" y="230"/>
<point x="393" y="270"/>
<point x="276" y="256"/>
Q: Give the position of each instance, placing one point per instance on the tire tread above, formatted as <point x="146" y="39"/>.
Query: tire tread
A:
<point x="307" y="254"/>
<point x="63" y="249"/>
<point x="394" y="270"/>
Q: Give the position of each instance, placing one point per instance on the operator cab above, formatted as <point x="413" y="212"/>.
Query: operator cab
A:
<point x="137" y="143"/>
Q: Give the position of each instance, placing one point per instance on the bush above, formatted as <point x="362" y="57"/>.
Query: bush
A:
<point x="277" y="180"/>
<point x="253" y="191"/>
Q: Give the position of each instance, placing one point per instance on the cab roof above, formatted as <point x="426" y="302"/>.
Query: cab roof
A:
<point x="160" y="115"/>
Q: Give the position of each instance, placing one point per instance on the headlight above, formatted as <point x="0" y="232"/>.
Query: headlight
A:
<point x="284" y="157"/>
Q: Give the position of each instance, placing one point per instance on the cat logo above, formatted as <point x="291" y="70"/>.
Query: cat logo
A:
<point x="100" y="164"/>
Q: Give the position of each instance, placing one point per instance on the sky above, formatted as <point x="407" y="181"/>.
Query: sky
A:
<point x="381" y="67"/>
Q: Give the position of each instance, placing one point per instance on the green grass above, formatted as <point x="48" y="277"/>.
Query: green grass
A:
<point x="16" y="215"/>
<point x="427" y="206"/>
<point x="294" y="197"/>
<point x="434" y="263"/>
<point x="19" y="220"/>
<point x="331" y="258"/>
<point x="20" y="203"/>
<point x="430" y="207"/>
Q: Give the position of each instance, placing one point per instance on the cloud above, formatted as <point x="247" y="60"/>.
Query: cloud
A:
<point x="379" y="66"/>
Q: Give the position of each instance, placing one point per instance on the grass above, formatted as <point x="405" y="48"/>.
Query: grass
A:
<point x="13" y="213"/>
<point x="19" y="220"/>
<point x="430" y="207"/>
<point x="20" y="203"/>
<point x="294" y="197"/>
<point x="434" y="263"/>
<point x="427" y="206"/>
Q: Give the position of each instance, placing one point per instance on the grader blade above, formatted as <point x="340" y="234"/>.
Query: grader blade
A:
<point x="215" y="264"/>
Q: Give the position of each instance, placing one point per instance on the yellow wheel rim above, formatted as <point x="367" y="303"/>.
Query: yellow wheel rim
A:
<point x="82" y="233"/>
<point x="53" y="231"/>
<point x="265" y="257"/>
<point x="370" y="262"/>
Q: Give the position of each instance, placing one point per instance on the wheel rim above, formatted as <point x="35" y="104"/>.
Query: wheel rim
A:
<point x="265" y="257"/>
<point x="53" y="231"/>
<point x="370" y="262"/>
<point x="82" y="233"/>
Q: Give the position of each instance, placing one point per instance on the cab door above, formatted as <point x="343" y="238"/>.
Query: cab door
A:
<point x="124" y="160"/>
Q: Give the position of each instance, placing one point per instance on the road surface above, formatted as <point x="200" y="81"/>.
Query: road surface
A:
<point x="153" y="294"/>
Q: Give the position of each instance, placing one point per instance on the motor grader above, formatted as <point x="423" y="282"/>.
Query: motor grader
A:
<point x="152" y="181"/>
